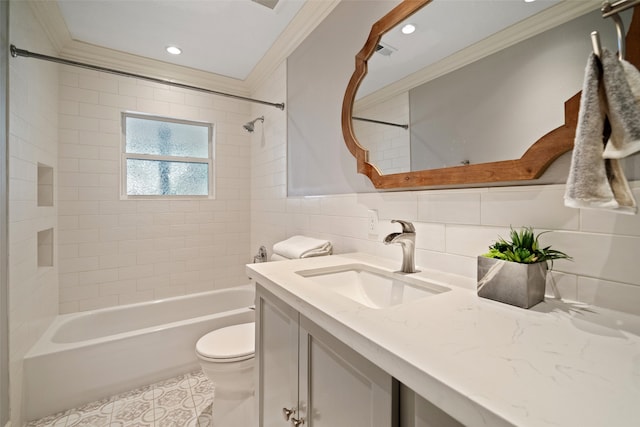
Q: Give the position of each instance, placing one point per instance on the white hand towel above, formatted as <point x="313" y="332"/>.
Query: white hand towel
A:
<point x="302" y="247"/>
<point x="276" y="257"/>
<point x="594" y="182"/>
<point x="623" y="96"/>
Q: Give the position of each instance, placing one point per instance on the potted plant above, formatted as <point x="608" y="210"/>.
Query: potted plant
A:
<point x="514" y="272"/>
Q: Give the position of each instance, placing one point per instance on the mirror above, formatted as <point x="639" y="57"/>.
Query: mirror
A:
<point x="511" y="149"/>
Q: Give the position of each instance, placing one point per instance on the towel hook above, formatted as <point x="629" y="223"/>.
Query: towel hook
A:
<point x="595" y="42"/>
<point x="622" y="47"/>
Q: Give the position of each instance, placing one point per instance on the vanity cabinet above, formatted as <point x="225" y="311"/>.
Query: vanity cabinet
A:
<point x="308" y="377"/>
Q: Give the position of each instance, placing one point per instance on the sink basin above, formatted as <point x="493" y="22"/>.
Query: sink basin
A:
<point x="370" y="286"/>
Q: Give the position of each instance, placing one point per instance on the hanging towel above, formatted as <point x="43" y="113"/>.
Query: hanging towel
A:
<point x="595" y="182"/>
<point x="302" y="247"/>
<point x="623" y="97"/>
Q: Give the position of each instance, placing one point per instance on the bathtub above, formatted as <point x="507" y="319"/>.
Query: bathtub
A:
<point x="87" y="356"/>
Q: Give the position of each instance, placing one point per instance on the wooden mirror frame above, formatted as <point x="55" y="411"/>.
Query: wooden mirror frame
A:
<point x="530" y="166"/>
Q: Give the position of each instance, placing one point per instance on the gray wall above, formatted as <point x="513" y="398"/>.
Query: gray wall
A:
<point x="319" y="70"/>
<point x="317" y="75"/>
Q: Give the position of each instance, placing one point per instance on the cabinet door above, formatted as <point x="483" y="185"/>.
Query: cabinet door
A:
<point x="276" y="359"/>
<point x="338" y="387"/>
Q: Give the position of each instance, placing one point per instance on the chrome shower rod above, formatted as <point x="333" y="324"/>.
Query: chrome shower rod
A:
<point x="610" y="9"/>
<point x="15" y="52"/>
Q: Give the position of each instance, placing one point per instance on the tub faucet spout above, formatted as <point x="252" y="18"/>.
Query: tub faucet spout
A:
<point x="407" y="240"/>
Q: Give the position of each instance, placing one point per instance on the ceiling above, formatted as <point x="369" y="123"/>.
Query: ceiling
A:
<point x="230" y="37"/>
<point x="225" y="37"/>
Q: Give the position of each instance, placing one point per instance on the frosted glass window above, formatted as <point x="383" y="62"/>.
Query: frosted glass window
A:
<point x="166" y="157"/>
<point x="153" y="177"/>
<point x="165" y="138"/>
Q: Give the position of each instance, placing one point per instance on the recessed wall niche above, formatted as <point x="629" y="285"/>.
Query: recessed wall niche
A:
<point x="45" y="185"/>
<point x="45" y="248"/>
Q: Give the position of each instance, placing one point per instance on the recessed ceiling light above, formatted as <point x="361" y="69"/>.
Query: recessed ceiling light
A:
<point x="529" y="1"/>
<point x="408" y="29"/>
<point x="174" y="50"/>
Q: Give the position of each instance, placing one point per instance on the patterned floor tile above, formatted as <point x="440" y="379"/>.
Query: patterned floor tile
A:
<point x="184" y="400"/>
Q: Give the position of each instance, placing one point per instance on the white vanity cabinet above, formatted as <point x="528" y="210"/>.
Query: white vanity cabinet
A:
<point x="313" y="379"/>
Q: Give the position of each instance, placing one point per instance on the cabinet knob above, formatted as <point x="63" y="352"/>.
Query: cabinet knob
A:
<point x="287" y="413"/>
<point x="296" y="422"/>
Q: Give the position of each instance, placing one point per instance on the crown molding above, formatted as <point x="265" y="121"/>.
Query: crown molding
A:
<point x="104" y="57"/>
<point x="307" y="19"/>
<point x="50" y="19"/>
<point x="540" y="22"/>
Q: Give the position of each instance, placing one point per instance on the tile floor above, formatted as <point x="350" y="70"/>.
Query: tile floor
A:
<point x="183" y="401"/>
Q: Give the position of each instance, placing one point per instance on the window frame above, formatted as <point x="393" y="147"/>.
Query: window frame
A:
<point x="124" y="156"/>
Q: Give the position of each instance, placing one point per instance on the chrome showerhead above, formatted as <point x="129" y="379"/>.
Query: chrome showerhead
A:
<point x="249" y="126"/>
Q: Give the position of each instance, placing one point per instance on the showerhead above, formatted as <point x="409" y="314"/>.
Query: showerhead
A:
<point x="249" y="126"/>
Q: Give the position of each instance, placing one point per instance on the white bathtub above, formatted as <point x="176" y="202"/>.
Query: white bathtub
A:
<point x="87" y="356"/>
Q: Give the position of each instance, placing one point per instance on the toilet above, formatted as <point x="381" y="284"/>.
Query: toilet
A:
<point x="227" y="358"/>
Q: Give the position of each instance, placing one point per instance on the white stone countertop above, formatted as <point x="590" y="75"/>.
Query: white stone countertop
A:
<point x="483" y="362"/>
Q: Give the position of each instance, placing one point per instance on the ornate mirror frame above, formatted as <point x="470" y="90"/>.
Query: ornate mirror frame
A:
<point x="530" y="166"/>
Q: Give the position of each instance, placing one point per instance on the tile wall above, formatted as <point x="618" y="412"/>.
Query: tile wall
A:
<point x="115" y="251"/>
<point x="33" y="142"/>
<point x="453" y="226"/>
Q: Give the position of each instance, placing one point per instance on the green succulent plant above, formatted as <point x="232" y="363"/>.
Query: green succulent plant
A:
<point x="523" y="248"/>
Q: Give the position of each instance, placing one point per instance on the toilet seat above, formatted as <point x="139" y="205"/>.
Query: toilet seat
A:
<point x="229" y="344"/>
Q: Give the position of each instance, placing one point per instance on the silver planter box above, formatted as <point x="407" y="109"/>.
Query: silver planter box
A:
<point x="517" y="284"/>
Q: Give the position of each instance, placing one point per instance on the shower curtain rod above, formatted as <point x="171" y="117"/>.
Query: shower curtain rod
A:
<point x="15" y="52"/>
<point x="610" y="9"/>
<point x="362" y="119"/>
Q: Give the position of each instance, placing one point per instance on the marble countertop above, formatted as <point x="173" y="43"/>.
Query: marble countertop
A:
<point x="483" y="362"/>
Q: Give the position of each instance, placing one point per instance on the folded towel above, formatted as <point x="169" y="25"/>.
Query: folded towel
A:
<point x="276" y="257"/>
<point x="302" y="247"/>
<point x="594" y="182"/>
<point x="622" y="85"/>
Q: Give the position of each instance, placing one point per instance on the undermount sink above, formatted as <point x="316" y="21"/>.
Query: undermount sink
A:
<point x="370" y="286"/>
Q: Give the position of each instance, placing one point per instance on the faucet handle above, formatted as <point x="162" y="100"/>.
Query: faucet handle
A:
<point x="407" y="227"/>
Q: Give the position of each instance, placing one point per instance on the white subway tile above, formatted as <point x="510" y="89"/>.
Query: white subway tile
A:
<point x="607" y="257"/>
<point x="135" y="90"/>
<point x="538" y="207"/>
<point x="118" y="101"/>
<point x="430" y="236"/>
<point x="560" y="285"/>
<point x="135" y="297"/>
<point x="66" y="121"/>
<point x="455" y="264"/>
<point x="453" y="208"/>
<point x="600" y="221"/>
<point x="97" y="83"/>
<point x="608" y="294"/>
<point x="472" y="241"/>
<point x="77" y="94"/>
<point x="98" y="302"/>
<point x="117" y="287"/>
<point x="74" y="265"/>
<point x="78" y="293"/>
<point x="135" y="272"/>
<point x="97" y="276"/>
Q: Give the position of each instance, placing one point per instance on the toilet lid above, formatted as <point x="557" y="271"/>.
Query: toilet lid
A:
<point x="232" y="343"/>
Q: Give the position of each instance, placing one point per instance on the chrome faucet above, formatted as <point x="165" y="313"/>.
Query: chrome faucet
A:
<point x="406" y="239"/>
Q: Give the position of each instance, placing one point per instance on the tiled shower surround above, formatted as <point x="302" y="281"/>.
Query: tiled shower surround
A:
<point x="182" y="401"/>
<point x="115" y="251"/>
